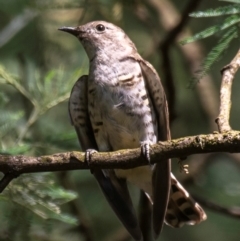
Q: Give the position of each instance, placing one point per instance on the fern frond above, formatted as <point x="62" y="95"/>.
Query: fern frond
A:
<point x="6" y="78"/>
<point x="231" y="9"/>
<point x="38" y="193"/>
<point x="212" y="30"/>
<point x="54" y="87"/>
<point x="215" y="54"/>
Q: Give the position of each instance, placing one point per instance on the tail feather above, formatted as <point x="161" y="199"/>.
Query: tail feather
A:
<point x="182" y="209"/>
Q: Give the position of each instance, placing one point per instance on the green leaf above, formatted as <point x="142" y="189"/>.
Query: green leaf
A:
<point x="212" y="30"/>
<point x="231" y="9"/>
<point x="38" y="193"/>
<point x="215" y="54"/>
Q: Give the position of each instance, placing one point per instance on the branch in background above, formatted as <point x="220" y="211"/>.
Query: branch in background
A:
<point x="193" y="54"/>
<point x="174" y="28"/>
<point x="228" y="73"/>
<point x="206" y="90"/>
<point x="233" y="212"/>
<point x="164" y="46"/>
<point x="7" y="178"/>
<point x="171" y="37"/>
<point x="16" y="25"/>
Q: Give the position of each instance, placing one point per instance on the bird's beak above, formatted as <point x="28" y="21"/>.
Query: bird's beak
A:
<point x="71" y="30"/>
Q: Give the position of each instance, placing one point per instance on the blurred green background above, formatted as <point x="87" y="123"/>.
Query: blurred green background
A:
<point x="38" y="66"/>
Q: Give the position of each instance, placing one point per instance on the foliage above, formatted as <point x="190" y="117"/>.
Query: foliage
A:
<point x="227" y="30"/>
<point x="34" y="192"/>
<point x="35" y="91"/>
<point x="39" y="194"/>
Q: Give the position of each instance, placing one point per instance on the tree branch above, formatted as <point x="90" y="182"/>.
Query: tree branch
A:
<point x="228" y="73"/>
<point x="124" y="159"/>
<point x="7" y="178"/>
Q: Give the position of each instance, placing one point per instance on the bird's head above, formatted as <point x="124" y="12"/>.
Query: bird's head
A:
<point x="101" y="36"/>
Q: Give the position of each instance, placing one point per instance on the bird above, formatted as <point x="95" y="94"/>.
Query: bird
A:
<point x="121" y="104"/>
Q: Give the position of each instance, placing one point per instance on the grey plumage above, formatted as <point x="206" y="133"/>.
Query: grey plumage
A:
<point x="121" y="104"/>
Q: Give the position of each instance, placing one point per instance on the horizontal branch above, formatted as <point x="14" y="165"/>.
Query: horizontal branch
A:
<point x="124" y="159"/>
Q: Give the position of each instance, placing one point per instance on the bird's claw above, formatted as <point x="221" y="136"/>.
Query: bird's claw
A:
<point x="183" y="167"/>
<point x="145" y="149"/>
<point x="88" y="156"/>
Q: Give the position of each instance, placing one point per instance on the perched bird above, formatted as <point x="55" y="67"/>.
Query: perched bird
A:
<point x="121" y="104"/>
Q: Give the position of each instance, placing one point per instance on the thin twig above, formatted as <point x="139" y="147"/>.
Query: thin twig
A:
<point x="228" y="73"/>
<point x="171" y="37"/>
<point x="16" y="25"/>
<point x="8" y="177"/>
<point x="232" y="211"/>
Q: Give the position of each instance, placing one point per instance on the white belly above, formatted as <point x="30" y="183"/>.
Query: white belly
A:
<point x="140" y="176"/>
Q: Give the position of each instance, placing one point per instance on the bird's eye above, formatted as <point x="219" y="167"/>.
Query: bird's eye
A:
<point x="100" y="27"/>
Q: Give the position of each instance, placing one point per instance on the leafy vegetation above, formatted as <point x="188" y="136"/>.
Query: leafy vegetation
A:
<point x="227" y="30"/>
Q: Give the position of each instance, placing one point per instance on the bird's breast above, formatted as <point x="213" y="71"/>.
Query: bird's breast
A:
<point x="122" y="114"/>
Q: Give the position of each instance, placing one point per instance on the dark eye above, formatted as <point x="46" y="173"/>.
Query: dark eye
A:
<point x="100" y="27"/>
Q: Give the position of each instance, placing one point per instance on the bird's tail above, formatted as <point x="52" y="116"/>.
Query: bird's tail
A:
<point x="182" y="209"/>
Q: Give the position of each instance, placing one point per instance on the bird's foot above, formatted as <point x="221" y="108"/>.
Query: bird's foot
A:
<point x="183" y="167"/>
<point x="88" y="156"/>
<point x="145" y="149"/>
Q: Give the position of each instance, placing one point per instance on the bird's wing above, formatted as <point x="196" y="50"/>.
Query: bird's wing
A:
<point x="114" y="189"/>
<point x="161" y="177"/>
<point x="78" y="112"/>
